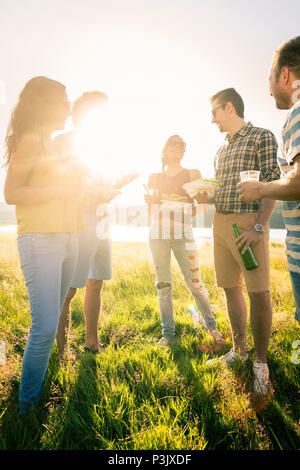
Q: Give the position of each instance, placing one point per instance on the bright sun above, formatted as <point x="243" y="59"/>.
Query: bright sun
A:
<point x="92" y="141"/>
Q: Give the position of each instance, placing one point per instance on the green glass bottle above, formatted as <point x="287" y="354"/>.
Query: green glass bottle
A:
<point x="248" y="257"/>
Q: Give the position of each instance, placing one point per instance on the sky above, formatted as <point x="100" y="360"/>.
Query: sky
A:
<point x="159" y="62"/>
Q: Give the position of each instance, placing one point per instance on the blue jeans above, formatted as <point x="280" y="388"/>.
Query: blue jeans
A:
<point x="48" y="261"/>
<point x="295" y="279"/>
<point x="187" y="257"/>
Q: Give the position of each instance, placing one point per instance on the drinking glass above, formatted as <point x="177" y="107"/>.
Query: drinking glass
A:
<point x="250" y="175"/>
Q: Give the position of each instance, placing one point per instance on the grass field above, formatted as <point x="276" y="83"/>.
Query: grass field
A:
<point x="134" y="395"/>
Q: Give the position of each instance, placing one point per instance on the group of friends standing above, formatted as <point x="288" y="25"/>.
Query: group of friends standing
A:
<point x="56" y="201"/>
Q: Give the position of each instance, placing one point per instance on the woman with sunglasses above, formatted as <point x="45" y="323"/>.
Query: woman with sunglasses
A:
<point x="45" y="188"/>
<point x="171" y="231"/>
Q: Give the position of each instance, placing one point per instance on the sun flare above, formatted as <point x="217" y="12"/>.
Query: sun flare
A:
<point x="92" y="142"/>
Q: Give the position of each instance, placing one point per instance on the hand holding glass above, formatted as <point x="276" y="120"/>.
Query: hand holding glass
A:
<point x="250" y="175"/>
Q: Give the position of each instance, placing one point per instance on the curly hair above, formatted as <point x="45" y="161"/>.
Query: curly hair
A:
<point x="36" y="107"/>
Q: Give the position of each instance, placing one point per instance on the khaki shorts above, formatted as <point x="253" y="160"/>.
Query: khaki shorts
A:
<point x="229" y="266"/>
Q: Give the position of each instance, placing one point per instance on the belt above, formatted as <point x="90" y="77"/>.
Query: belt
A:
<point x="225" y="212"/>
<point x="236" y="213"/>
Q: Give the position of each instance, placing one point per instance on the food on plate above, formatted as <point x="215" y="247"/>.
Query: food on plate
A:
<point x="201" y="185"/>
<point x="175" y="198"/>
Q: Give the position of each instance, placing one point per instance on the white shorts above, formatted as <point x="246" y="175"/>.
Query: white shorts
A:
<point x="94" y="255"/>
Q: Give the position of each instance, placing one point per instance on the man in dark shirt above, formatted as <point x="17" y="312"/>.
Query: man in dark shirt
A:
<point x="246" y="148"/>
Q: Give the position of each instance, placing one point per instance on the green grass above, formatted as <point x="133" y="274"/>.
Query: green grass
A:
<point x="134" y="395"/>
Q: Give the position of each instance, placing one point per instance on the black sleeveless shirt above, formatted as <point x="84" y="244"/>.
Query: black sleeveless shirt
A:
<point x="166" y="184"/>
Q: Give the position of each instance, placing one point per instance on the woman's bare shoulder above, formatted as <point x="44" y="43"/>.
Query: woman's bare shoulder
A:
<point x="194" y="174"/>
<point x="21" y="162"/>
<point x="153" y="180"/>
<point x="27" y="147"/>
<point x="64" y="140"/>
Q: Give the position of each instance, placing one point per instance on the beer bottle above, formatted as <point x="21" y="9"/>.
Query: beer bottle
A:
<point x="248" y="257"/>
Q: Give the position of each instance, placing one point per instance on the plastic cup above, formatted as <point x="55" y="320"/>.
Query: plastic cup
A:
<point x="250" y="175"/>
<point x="155" y="196"/>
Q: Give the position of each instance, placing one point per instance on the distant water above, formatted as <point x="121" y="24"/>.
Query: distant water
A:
<point x="140" y="234"/>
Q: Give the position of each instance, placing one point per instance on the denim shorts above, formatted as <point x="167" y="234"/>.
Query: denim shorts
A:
<point x="94" y="255"/>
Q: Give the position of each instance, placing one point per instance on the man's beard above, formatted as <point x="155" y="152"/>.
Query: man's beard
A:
<point x="282" y="99"/>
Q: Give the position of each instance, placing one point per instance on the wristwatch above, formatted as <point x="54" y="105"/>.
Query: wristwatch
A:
<point x="259" y="228"/>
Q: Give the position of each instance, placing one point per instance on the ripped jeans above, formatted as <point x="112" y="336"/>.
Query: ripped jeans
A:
<point x="186" y="254"/>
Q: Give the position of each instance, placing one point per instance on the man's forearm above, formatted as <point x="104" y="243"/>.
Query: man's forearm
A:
<point x="285" y="189"/>
<point x="266" y="209"/>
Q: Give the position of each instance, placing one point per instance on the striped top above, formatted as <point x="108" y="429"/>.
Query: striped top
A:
<point x="291" y="210"/>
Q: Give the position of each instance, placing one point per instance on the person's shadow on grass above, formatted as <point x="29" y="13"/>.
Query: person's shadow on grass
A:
<point x="202" y="402"/>
<point x="78" y="415"/>
<point x="25" y="432"/>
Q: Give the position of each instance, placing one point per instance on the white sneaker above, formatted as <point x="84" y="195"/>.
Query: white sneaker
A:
<point x="217" y="335"/>
<point x="228" y="358"/>
<point x="261" y="382"/>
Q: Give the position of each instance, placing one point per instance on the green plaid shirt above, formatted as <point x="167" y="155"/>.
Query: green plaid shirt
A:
<point x="251" y="148"/>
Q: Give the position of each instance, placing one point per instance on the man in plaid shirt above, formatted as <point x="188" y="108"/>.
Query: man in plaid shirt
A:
<point x="250" y="148"/>
<point x="246" y="148"/>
